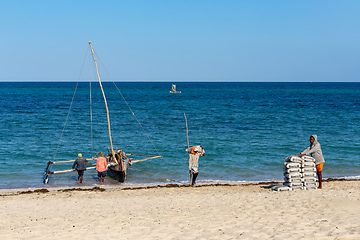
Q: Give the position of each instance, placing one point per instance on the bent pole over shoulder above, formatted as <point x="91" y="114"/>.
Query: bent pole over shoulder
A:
<point x="187" y="137"/>
<point x="187" y="131"/>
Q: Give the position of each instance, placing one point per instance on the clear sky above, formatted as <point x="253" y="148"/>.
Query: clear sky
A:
<point x="182" y="40"/>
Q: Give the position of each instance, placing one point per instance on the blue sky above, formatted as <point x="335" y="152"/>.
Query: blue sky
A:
<point x="187" y="40"/>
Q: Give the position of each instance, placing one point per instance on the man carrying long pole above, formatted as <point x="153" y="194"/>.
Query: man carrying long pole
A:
<point x="194" y="153"/>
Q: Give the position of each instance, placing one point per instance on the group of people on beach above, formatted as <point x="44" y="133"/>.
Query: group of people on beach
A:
<point x="314" y="150"/>
<point x="81" y="163"/>
<point x="195" y="152"/>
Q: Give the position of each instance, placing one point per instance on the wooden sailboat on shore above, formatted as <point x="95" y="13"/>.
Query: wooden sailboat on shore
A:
<point x="118" y="160"/>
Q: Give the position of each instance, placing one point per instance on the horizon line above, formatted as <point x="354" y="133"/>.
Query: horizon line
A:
<point x="180" y="81"/>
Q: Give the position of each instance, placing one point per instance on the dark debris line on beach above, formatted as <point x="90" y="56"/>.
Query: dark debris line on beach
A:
<point x="44" y="190"/>
<point x="82" y="189"/>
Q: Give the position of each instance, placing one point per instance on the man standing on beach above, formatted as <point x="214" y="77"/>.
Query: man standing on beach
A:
<point x="315" y="150"/>
<point x="194" y="154"/>
<point x="80" y="165"/>
<point x="101" y="166"/>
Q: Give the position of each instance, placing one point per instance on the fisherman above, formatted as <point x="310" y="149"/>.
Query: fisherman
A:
<point x="101" y="166"/>
<point x="80" y="165"/>
<point x="315" y="150"/>
<point x="194" y="154"/>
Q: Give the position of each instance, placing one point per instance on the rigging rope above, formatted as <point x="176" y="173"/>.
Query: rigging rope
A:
<point x="135" y="117"/>
<point x="91" y="122"/>
<point x="91" y="116"/>
<point x="67" y="117"/>
<point x="128" y="105"/>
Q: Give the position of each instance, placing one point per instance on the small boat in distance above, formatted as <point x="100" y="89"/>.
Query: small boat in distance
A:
<point x="173" y="89"/>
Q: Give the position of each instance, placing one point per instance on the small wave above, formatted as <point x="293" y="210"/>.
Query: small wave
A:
<point x="351" y="177"/>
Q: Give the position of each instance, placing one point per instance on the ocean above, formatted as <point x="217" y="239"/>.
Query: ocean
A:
<point x="246" y="129"/>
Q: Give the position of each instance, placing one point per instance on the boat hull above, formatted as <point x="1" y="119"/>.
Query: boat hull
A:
<point x="116" y="173"/>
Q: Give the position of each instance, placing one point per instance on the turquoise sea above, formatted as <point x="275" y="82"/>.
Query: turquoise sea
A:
<point x="246" y="129"/>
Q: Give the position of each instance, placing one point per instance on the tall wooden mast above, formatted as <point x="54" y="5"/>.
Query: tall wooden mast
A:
<point x="107" y="110"/>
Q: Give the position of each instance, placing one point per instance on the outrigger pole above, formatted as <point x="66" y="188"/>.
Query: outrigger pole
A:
<point x="48" y="172"/>
<point x="107" y="110"/>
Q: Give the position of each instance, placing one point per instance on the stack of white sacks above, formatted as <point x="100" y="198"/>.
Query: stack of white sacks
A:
<point x="300" y="173"/>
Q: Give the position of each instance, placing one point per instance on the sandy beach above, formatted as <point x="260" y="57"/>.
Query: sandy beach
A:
<point x="241" y="211"/>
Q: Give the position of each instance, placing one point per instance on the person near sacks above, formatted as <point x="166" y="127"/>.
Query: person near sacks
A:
<point x="315" y="151"/>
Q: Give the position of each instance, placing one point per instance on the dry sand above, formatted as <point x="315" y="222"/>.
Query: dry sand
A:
<point x="243" y="211"/>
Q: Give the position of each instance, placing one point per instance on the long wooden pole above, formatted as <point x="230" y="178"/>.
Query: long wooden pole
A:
<point x="89" y="159"/>
<point x="107" y="110"/>
<point x="187" y="136"/>
<point x="70" y="170"/>
<point x="141" y="160"/>
<point x="67" y="161"/>
<point x="187" y="131"/>
<point x="136" y="154"/>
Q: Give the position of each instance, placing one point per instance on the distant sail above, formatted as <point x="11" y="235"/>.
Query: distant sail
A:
<point x="173" y="89"/>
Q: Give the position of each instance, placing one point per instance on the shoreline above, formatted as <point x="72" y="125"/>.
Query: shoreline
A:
<point x="113" y="183"/>
<point x="18" y="191"/>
